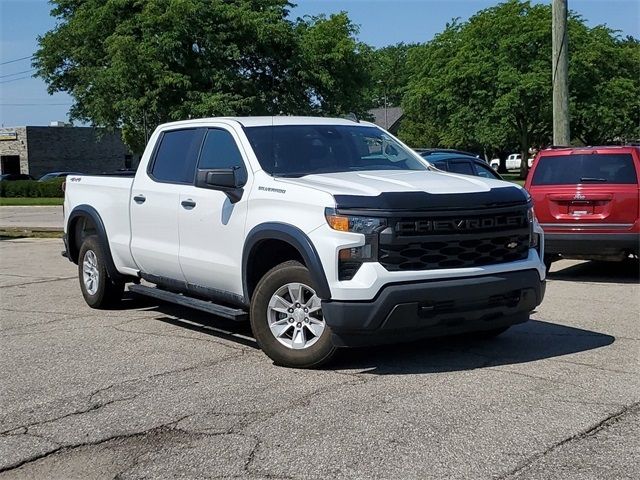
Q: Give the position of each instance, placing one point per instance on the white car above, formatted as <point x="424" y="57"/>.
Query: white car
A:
<point x="322" y="232"/>
<point x="513" y="162"/>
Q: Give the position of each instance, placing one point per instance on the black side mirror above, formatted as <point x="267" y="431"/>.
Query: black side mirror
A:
<point x="226" y="180"/>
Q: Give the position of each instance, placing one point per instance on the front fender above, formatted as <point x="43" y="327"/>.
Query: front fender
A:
<point x="297" y="239"/>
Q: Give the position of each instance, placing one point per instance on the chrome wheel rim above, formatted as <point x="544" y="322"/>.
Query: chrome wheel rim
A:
<point x="90" y="274"/>
<point x="295" y="316"/>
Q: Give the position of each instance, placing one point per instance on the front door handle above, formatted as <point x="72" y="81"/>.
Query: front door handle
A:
<point x="139" y="198"/>
<point x="188" y="204"/>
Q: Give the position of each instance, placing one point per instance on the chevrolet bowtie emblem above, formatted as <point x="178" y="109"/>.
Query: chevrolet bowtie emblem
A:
<point x="512" y="245"/>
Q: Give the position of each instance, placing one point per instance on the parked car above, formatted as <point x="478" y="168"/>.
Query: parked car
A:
<point x="323" y="232"/>
<point x="513" y="162"/>
<point x="459" y="162"/>
<point x="587" y="201"/>
<point x="6" y="177"/>
<point x="53" y="175"/>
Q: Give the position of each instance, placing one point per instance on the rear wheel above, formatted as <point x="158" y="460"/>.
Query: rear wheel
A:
<point x="98" y="288"/>
<point x="287" y="320"/>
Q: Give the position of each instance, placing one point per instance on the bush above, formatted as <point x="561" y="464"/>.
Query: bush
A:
<point x="32" y="188"/>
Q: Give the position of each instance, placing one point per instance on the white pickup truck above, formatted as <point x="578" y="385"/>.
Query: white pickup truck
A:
<point x="513" y="162"/>
<point x="322" y="232"/>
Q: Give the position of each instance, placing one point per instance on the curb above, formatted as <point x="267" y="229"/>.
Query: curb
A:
<point x="36" y="232"/>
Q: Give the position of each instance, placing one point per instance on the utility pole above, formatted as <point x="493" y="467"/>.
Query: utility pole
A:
<point x="560" y="66"/>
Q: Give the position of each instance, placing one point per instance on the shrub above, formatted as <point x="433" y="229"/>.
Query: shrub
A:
<point x="32" y="188"/>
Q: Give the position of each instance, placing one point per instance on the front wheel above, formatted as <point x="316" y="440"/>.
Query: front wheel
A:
<point x="286" y="318"/>
<point x="98" y="288"/>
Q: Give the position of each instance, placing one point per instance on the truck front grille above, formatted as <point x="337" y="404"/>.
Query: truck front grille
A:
<point x="454" y="241"/>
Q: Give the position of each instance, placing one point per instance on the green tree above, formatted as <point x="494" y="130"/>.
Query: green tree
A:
<point x="389" y="74"/>
<point x="485" y="84"/>
<point x="332" y="67"/>
<point x="133" y="64"/>
<point x="605" y="85"/>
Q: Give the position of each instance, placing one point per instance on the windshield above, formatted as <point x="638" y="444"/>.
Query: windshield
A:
<point x="298" y="150"/>
<point x="585" y="168"/>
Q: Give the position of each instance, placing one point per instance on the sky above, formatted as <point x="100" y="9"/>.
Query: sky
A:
<point x="25" y="101"/>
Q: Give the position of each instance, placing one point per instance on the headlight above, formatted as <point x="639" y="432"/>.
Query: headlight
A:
<point x="350" y="259"/>
<point x="355" y="224"/>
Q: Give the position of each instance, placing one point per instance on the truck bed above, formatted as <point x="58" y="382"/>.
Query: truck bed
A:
<point x="110" y="196"/>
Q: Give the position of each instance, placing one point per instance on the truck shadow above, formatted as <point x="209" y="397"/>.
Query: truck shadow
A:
<point x="527" y="342"/>
<point x="594" y="271"/>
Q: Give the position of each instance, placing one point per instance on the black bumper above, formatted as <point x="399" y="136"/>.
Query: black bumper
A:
<point x="599" y="244"/>
<point x="408" y="311"/>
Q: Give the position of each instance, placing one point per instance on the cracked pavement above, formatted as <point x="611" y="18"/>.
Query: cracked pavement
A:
<point x="155" y="391"/>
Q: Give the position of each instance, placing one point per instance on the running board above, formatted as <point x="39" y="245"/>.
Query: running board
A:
<point x="230" y="313"/>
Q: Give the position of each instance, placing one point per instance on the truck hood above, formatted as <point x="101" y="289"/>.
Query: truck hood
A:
<point x="411" y="190"/>
<point x="372" y="183"/>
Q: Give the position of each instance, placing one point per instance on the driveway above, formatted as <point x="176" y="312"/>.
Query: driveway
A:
<point x="156" y="391"/>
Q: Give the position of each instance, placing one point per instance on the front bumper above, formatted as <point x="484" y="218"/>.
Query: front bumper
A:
<point x="407" y="311"/>
<point x="586" y="244"/>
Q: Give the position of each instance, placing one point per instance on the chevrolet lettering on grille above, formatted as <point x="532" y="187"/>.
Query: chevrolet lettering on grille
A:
<point x="459" y="224"/>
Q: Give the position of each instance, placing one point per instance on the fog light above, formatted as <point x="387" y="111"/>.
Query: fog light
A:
<point x="351" y="259"/>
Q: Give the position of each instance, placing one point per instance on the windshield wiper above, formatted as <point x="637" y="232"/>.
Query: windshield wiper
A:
<point x="593" y="179"/>
<point x="289" y="175"/>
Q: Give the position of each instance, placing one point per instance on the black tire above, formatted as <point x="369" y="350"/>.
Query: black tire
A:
<point x="315" y="355"/>
<point x="108" y="291"/>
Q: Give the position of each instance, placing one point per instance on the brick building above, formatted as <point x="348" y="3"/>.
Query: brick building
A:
<point x="40" y="150"/>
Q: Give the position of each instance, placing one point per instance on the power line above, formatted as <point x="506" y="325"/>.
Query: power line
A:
<point x="18" y="60"/>
<point x="16" y="79"/>
<point x="34" y="104"/>
<point x="17" y="73"/>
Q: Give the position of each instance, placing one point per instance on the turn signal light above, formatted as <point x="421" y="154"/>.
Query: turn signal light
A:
<point x="338" y="222"/>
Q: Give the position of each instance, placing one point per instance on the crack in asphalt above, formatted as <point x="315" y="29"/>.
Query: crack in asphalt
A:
<point x="90" y="408"/>
<point x="528" y="375"/>
<point x="589" y="365"/>
<point x="603" y="424"/>
<point x="119" y="384"/>
<point x="69" y="317"/>
<point x="239" y="430"/>
<point x="49" y="280"/>
<point x="172" y="335"/>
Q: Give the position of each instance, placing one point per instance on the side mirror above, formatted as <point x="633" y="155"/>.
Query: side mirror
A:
<point x="226" y="180"/>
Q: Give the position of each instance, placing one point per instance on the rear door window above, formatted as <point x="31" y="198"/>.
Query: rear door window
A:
<point x="461" y="166"/>
<point x="175" y="159"/>
<point x="485" y="171"/>
<point x="589" y="168"/>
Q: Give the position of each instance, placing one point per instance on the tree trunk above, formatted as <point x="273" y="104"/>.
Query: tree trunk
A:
<point x="524" y="154"/>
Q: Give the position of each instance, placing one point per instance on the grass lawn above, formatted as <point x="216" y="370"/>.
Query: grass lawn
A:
<point x="513" y="177"/>
<point x="22" y="201"/>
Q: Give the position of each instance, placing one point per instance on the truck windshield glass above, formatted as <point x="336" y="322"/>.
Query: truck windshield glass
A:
<point x="585" y="168"/>
<point x="298" y="150"/>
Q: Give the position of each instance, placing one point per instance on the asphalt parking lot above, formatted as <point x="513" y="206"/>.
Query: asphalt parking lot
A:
<point x="155" y="391"/>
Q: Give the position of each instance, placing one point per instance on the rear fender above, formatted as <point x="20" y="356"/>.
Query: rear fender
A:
<point x="73" y="244"/>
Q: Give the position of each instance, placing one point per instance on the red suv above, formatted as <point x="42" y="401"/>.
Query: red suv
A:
<point x="587" y="201"/>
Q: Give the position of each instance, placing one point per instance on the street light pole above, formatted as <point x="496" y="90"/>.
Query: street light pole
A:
<point x="560" y="66"/>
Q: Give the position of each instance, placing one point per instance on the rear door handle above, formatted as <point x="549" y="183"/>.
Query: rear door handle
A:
<point x="188" y="204"/>
<point x="139" y="198"/>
